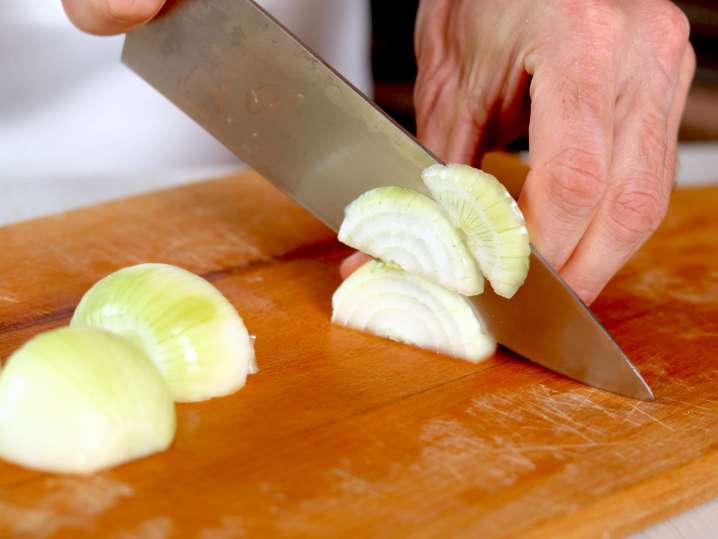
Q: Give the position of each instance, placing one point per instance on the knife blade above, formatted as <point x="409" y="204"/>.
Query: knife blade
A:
<point x="276" y="105"/>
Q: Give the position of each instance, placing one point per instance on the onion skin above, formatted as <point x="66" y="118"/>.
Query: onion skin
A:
<point x="79" y="400"/>
<point x="185" y="325"/>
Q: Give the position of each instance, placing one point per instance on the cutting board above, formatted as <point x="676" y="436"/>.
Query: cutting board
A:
<point x="346" y="435"/>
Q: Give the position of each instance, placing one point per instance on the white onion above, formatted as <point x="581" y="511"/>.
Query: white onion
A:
<point x="492" y="223"/>
<point x="78" y="400"/>
<point x="407" y="228"/>
<point x="184" y="324"/>
<point x="385" y="300"/>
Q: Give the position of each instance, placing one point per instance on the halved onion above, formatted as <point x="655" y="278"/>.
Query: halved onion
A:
<point x="407" y="228"/>
<point x="184" y="324"/>
<point x="78" y="400"/>
<point x="494" y="228"/>
<point x="385" y="300"/>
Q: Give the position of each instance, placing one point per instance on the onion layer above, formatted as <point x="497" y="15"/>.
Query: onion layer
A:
<point x="494" y="228"/>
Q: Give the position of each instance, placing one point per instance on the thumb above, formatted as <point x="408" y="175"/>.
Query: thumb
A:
<point x="106" y="17"/>
<point x="353" y="263"/>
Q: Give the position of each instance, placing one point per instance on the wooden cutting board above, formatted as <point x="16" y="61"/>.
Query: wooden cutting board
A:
<point x="346" y="435"/>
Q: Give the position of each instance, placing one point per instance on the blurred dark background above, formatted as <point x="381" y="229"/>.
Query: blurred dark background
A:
<point x="395" y="69"/>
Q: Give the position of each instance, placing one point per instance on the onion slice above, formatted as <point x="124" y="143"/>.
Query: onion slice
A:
<point x="183" y="323"/>
<point x="78" y="400"/>
<point x="491" y="221"/>
<point x="384" y="300"/>
<point x="407" y="228"/>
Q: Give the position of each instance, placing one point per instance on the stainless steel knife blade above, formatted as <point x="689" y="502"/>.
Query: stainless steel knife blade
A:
<point x="275" y="104"/>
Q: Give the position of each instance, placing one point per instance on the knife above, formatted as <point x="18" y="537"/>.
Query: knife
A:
<point x="275" y="104"/>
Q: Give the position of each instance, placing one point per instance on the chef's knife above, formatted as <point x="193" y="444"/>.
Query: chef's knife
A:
<point x="275" y="104"/>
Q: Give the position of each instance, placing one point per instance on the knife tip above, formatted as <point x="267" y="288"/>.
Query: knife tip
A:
<point x="638" y="388"/>
<point x="643" y="392"/>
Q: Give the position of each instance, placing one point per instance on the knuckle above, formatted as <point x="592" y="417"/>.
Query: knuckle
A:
<point x="577" y="181"/>
<point x="668" y="27"/>
<point x="636" y="212"/>
<point x="601" y="21"/>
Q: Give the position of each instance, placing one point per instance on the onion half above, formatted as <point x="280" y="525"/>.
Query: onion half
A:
<point x="184" y="324"/>
<point x="78" y="400"/>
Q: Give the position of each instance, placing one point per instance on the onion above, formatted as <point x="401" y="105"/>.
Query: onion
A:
<point x="406" y="228"/>
<point x="385" y="300"/>
<point x="183" y="323"/>
<point x="77" y="400"/>
<point x="492" y="223"/>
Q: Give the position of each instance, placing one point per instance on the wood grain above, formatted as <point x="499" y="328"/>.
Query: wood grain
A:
<point x="346" y="435"/>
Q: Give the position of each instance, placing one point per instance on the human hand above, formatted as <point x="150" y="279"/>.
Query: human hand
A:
<point x="110" y="16"/>
<point x="601" y="85"/>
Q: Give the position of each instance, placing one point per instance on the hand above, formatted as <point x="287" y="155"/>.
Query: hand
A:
<point x="601" y="85"/>
<point x="110" y="16"/>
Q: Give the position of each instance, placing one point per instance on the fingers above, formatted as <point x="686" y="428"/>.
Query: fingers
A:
<point x="110" y="16"/>
<point x="353" y="263"/>
<point x="469" y="93"/>
<point x="648" y="114"/>
<point x="570" y="141"/>
<point x="606" y="98"/>
<point x="435" y="82"/>
<point x="459" y="119"/>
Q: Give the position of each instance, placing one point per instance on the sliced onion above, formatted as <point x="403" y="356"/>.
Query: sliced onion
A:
<point x="184" y="324"/>
<point x="494" y="228"/>
<point x="407" y="228"/>
<point x="384" y="300"/>
<point x="78" y="400"/>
